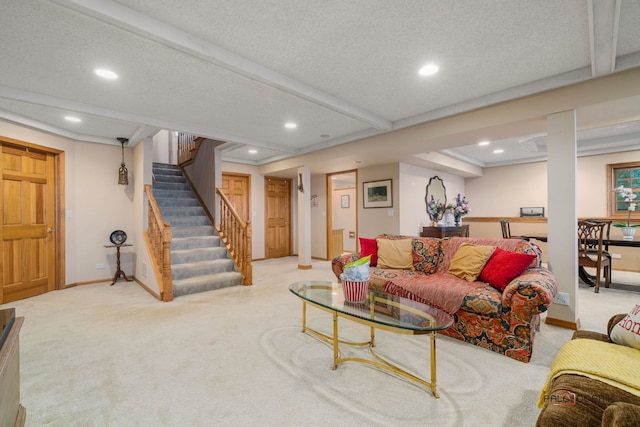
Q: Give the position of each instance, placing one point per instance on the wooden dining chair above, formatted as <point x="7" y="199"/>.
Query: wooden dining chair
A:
<point x="605" y="236"/>
<point x="590" y="250"/>
<point x="506" y="230"/>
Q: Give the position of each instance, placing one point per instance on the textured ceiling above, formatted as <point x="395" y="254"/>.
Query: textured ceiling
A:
<point x="342" y="70"/>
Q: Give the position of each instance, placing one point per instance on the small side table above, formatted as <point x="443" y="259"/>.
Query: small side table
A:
<point x="119" y="272"/>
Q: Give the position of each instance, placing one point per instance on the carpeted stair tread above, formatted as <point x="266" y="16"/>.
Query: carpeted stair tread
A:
<point x="173" y="194"/>
<point x="170" y="203"/>
<point x="182" y="211"/>
<point x="186" y="221"/>
<point x="202" y="268"/>
<point x="206" y="283"/>
<point x="171" y="186"/>
<point x="195" y="242"/>
<point x="199" y="262"/>
<point x="193" y="231"/>
<point x="182" y="256"/>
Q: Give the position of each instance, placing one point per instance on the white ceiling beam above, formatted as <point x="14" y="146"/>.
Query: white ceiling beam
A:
<point x="137" y="119"/>
<point x="137" y="23"/>
<point x="604" y="16"/>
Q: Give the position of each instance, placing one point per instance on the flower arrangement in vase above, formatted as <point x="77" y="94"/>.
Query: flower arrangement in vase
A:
<point x="435" y="209"/>
<point x="459" y="208"/>
<point x="628" y="229"/>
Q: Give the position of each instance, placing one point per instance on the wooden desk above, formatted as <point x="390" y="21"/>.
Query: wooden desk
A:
<point x="442" y="232"/>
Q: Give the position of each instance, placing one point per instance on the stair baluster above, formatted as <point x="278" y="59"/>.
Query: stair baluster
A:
<point x="236" y="235"/>
<point x="158" y="239"/>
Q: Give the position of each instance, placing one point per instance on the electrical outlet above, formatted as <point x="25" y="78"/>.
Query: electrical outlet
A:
<point x="100" y="266"/>
<point x="144" y="269"/>
<point x="561" y="298"/>
<point x="616" y="256"/>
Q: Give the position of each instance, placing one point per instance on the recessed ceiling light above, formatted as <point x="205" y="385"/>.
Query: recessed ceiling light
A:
<point x="73" y="119"/>
<point x="483" y="143"/>
<point x="498" y="151"/>
<point x="428" y="70"/>
<point x="106" y="74"/>
<point x="290" y="125"/>
<point x="253" y="151"/>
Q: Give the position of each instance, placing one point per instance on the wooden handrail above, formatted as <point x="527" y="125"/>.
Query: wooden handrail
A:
<point x="236" y="235"/>
<point x="188" y="146"/>
<point x="158" y="238"/>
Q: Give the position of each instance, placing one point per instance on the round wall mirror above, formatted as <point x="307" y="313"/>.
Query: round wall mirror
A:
<point x="436" y="198"/>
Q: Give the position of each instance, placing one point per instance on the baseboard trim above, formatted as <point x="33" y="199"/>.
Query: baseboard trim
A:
<point x="563" y="323"/>
<point x="148" y="289"/>
<point x="304" y="267"/>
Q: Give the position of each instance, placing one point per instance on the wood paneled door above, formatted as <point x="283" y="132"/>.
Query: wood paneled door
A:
<point x="237" y="188"/>
<point x="277" y="217"/>
<point x="27" y="223"/>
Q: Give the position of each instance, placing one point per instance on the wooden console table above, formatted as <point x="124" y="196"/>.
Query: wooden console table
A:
<point x="119" y="272"/>
<point x="12" y="413"/>
<point x="441" y="232"/>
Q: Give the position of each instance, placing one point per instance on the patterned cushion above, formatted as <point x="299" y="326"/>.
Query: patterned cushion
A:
<point x="427" y="254"/>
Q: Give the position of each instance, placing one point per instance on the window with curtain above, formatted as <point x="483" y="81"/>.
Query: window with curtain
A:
<point x="626" y="175"/>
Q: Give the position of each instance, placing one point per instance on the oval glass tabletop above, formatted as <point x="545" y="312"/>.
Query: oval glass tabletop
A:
<point x="391" y="310"/>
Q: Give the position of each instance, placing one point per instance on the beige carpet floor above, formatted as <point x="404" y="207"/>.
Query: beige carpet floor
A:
<point x="100" y="355"/>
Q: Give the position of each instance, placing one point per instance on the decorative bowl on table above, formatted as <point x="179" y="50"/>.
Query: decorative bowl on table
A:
<point x="118" y="237"/>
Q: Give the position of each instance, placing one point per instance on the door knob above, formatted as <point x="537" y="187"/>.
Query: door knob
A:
<point x="50" y="230"/>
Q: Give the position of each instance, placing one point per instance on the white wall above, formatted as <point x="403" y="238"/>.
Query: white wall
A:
<point x="501" y="191"/>
<point x="319" y="216"/>
<point x="345" y="218"/>
<point x="162" y="147"/>
<point x="95" y="204"/>
<point x="413" y="187"/>
<point x="142" y="164"/>
<point x="373" y="221"/>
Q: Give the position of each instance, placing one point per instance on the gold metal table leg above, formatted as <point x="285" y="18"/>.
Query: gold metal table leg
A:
<point x="433" y="365"/>
<point x="304" y="315"/>
<point x="335" y="341"/>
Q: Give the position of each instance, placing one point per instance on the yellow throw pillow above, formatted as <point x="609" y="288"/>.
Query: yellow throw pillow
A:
<point x="395" y="253"/>
<point x="469" y="260"/>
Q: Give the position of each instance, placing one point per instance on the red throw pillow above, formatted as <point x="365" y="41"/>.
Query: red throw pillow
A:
<point x="504" y="266"/>
<point x="369" y="247"/>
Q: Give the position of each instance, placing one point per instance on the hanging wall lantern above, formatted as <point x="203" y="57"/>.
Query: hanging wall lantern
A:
<point x="123" y="173"/>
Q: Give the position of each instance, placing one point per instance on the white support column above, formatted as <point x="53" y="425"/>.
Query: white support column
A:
<point x="304" y="218"/>
<point x="562" y="223"/>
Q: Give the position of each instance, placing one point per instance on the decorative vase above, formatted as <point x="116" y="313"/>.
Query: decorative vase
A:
<point x="628" y="233"/>
<point x="458" y="219"/>
<point x="447" y="219"/>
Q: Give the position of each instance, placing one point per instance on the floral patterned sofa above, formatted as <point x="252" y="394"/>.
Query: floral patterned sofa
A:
<point x="504" y="321"/>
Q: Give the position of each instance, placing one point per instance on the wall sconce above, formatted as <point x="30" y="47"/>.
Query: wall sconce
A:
<point x="300" y="185"/>
<point x="123" y="173"/>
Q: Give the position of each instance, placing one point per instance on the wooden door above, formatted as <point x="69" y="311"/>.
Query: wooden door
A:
<point x="277" y="217"/>
<point x="237" y="189"/>
<point x="27" y="223"/>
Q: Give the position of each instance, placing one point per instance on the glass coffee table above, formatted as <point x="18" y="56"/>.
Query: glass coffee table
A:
<point x="380" y="311"/>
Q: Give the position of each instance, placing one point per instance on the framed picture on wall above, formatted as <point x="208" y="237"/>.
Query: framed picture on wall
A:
<point x="344" y="201"/>
<point x="535" y="212"/>
<point x="377" y="194"/>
